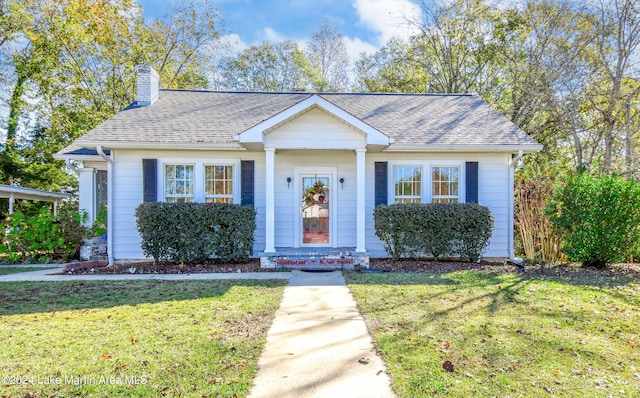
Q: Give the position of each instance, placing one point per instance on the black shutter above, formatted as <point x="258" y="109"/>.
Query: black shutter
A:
<point x="472" y="182"/>
<point x="246" y="185"/>
<point x="381" y="183"/>
<point x="149" y="180"/>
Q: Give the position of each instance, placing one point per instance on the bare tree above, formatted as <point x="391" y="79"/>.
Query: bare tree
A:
<point x="327" y="55"/>
<point x="617" y="61"/>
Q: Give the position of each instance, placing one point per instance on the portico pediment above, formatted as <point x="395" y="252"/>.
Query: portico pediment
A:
<point x="313" y="123"/>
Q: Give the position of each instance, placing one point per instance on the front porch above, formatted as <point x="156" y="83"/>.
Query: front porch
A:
<point x="315" y="258"/>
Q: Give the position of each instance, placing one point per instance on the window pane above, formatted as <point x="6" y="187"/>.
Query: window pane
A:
<point x="178" y="183"/>
<point x="408" y="184"/>
<point x="101" y="188"/>
<point x="219" y="184"/>
<point x="445" y="184"/>
<point x="454" y="188"/>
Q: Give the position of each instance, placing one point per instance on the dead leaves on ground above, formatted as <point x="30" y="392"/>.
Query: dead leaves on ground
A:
<point x="448" y="366"/>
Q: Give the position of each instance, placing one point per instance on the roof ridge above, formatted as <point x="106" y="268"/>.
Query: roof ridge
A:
<point x="231" y="92"/>
<point x="309" y="93"/>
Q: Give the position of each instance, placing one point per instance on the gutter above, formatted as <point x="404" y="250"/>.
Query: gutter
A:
<point x="465" y="148"/>
<point x="207" y="146"/>
<point x="109" y="161"/>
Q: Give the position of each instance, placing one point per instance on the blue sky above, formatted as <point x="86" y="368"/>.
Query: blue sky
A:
<point x="365" y="24"/>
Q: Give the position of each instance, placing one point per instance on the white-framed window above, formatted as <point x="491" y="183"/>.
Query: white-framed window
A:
<point x="445" y="184"/>
<point x="179" y="183"/>
<point x="204" y="179"/>
<point x="407" y="184"/>
<point x="218" y="183"/>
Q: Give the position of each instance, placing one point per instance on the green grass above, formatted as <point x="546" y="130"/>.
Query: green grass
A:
<point x="15" y="270"/>
<point x="134" y="338"/>
<point x="506" y="335"/>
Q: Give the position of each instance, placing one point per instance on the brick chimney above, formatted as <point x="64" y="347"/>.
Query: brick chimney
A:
<point x="147" y="82"/>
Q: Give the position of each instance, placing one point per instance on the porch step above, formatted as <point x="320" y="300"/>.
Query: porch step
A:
<point x="314" y="260"/>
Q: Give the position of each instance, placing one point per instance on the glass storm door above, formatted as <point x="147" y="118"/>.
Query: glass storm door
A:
<point x="315" y="211"/>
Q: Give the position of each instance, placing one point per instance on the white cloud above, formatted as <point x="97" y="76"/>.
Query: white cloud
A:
<point x="388" y="17"/>
<point x="273" y="36"/>
<point x="356" y="46"/>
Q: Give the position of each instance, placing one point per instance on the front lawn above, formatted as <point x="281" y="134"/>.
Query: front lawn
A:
<point x="133" y="338"/>
<point x="505" y="334"/>
<point x="7" y="270"/>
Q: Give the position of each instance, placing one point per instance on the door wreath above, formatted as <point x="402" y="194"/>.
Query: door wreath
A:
<point x="314" y="194"/>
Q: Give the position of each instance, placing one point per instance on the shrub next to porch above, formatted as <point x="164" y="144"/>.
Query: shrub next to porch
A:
<point x="434" y="229"/>
<point x="191" y="232"/>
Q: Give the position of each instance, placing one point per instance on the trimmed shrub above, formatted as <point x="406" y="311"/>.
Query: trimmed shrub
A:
<point x="598" y="217"/>
<point x="195" y="232"/>
<point x="44" y="237"/>
<point x="473" y="229"/>
<point x="393" y="225"/>
<point x="434" y="229"/>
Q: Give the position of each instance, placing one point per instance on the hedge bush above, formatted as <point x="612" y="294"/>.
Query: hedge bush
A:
<point x="44" y="237"/>
<point x="194" y="232"/>
<point x="598" y="218"/>
<point x="434" y="229"/>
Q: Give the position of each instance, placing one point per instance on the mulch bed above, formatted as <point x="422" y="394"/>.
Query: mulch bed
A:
<point x="572" y="270"/>
<point x="170" y="268"/>
<point x="380" y="264"/>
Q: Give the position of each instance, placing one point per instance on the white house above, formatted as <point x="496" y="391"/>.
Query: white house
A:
<point x="269" y="149"/>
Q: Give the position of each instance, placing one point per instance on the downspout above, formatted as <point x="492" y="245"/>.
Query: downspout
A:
<point x="109" y="161"/>
<point x="71" y="167"/>
<point x="512" y="164"/>
<point x="515" y="160"/>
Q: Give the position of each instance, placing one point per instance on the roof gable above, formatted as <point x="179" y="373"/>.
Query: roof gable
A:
<point x="253" y="138"/>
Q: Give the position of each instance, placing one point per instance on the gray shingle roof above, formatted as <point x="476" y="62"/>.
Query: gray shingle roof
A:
<point x="180" y="117"/>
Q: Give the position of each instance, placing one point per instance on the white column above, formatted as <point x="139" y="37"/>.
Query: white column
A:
<point x="360" y="183"/>
<point x="87" y="193"/>
<point x="270" y="225"/>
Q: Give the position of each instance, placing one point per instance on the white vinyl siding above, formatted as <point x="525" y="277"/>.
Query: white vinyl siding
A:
<point x="288" y="202"/>
<point x="445" y="184"/>
<point x="494" y="190"/>
<point x="127" y="177"/>
<point x="314" y="129"/>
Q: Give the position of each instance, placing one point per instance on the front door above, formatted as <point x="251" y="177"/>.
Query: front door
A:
<point x="316" y="206"/>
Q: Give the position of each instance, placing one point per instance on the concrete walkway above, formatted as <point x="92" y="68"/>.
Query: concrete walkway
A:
<point x="319" y="345"/>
